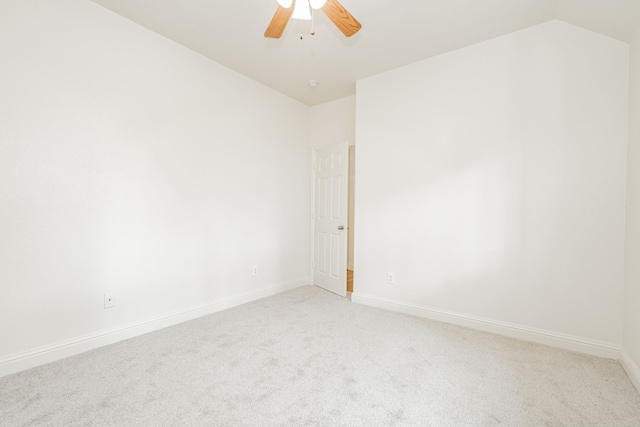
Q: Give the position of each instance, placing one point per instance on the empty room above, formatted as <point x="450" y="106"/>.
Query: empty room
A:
<point x="319" y="213"/>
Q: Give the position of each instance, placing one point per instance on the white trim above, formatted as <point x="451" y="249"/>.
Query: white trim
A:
<point x="568" y="342"/>
<point x="350" y="266"/>
<point x="632" y="370"/>
<point x="50" y="353"/>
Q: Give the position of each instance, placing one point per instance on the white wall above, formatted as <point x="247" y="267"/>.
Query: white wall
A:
<point x="130" y="164"/>
<point x="491" y="181"/>
<point x="631" y="339"/>
<point x="333" y="122"/>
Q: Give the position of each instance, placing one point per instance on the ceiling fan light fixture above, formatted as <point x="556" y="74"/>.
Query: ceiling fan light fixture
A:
<point x="285" y="3"/>
<point x="301" y="10"/>
<point x="317" y="4"/>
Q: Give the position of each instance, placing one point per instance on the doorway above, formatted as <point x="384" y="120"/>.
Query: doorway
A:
<point x="333" y="185"/>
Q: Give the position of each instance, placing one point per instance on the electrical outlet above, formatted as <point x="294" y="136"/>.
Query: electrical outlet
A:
<point x="254" y="270"/>
<point x="109" y="300"/>
<point x="391" y="278"/>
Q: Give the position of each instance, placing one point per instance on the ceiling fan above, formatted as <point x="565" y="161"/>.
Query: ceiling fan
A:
<point x="302" y="9"/>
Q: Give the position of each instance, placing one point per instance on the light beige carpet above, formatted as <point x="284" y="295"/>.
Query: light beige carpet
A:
<point x="309" y="358"/>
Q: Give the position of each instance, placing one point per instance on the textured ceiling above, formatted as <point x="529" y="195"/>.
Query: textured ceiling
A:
<point x="394" y="33"/>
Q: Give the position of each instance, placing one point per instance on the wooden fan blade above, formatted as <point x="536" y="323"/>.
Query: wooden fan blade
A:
<point x="341" y="18"/>
<point x="278" y="22"/>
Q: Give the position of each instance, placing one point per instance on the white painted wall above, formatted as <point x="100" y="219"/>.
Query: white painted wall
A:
<point x="130" y="164"/>
<point x="491" y="181"/>
<point x="333" y="122"/>
<point x="631" y="339"/>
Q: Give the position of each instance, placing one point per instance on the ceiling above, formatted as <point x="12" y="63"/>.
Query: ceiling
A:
<point x="394" y="33"/>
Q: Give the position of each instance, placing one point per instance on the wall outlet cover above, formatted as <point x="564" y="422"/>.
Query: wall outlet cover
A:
<point x="109" y="300"/>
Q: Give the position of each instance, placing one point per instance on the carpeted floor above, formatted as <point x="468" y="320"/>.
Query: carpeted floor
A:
<point x="309" y="358"/>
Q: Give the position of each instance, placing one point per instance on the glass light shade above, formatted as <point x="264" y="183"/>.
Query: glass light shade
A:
<point x="285" y="3"/>
<point x="317" y="4"/>
<point x="301" y="10"/>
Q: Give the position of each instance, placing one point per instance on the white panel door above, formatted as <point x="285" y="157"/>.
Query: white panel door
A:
<point x="330" y="218"/>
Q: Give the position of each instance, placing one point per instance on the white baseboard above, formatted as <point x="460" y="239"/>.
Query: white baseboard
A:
<point x="350" y="266"/>
<point x="50" y="353"/>
<point x="632" y="370"/>
<point x="568" y="342"/>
